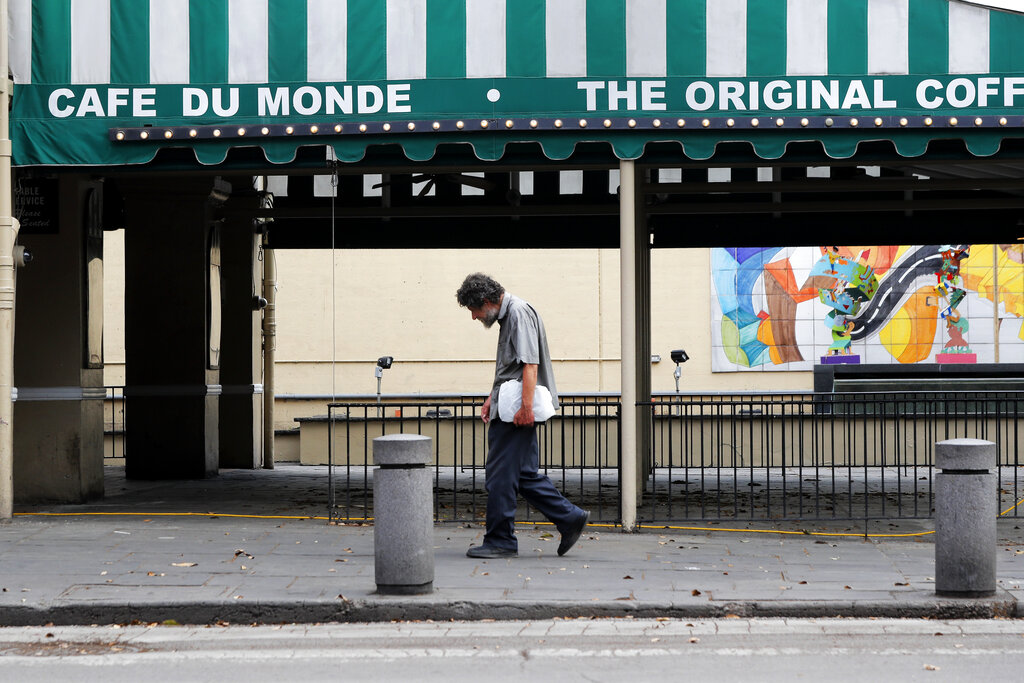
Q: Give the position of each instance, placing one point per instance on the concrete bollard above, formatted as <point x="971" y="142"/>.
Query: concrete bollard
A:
<point x="403" y="527"/>
<point x="965" y="518"/>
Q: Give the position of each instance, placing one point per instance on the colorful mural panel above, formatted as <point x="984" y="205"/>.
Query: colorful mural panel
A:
<point x="784" y="308"/>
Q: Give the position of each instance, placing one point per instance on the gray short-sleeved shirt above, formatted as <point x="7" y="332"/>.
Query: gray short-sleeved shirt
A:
<point x="521" y="341"/>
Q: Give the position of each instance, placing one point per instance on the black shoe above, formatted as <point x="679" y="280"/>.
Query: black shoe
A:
<point x="570" y="537"/>
<point x="489" y="552"/>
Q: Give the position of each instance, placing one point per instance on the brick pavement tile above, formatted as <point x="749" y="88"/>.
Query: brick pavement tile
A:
<point x="141" y="593"/>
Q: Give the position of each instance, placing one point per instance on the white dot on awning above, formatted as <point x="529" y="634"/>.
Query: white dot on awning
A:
<point x="493" y="95"/>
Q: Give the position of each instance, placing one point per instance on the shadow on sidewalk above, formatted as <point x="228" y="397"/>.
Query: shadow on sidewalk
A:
<point x="302" y="491"/>
<point x="286" y="490"/>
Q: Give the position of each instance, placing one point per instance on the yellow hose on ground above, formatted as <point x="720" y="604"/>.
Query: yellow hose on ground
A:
<point x="349" y="520"/>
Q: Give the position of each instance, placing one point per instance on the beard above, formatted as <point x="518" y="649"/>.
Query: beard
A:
<point x="488" y="320"/>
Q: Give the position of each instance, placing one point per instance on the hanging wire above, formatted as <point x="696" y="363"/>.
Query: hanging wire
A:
<point x="334" y="289"/>
<point x="331" y="502"/>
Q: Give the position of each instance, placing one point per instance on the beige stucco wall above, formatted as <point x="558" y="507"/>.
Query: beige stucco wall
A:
<point x="402" y="303"/>
<point x="113" y="308"/>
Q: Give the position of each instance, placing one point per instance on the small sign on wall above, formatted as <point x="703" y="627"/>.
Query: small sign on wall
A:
<point x="36" y="206"/>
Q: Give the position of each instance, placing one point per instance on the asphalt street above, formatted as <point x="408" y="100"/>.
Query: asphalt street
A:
<point x="591" y="649"/>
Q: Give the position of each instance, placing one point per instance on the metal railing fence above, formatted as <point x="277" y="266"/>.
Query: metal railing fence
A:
<point x="796" y="456"/>
<point x="579" y="450"/>
<point x="853" y="456"/>
<point x="113" y="426"/>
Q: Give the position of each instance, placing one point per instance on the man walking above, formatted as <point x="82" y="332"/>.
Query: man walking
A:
<point x="513" y="456"/>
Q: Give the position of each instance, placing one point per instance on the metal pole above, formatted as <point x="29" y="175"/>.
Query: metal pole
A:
<point x="269" y="352"/>
<point x="380" y="373"/>
<point x="995" y="299"/>
<point x="8" y="236"/>
<point x="627" y="296"/>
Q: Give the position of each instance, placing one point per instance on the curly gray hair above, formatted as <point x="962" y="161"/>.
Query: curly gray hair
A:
<point x="478" y="288"/>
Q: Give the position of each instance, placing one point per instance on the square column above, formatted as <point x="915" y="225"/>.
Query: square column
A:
<point x="241" y="367"/>
<point x="635" y="302"/>
<point x="173" y="307"/>
<point x="58" y="354"/>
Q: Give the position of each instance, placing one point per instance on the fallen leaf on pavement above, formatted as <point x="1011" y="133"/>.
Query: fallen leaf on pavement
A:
<point x="695" y="592"/>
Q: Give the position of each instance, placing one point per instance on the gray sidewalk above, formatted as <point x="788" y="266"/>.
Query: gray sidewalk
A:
<point x="157" y="566"/>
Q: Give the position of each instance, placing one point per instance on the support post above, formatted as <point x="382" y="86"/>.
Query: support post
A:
<point x="642" y="330"/>
<point x="269" y="352"/>
<point x="995" y="299"/>
<point x="8" y="236"/>
<point x="240" y="413"/>
<point x="58" y="445"/>
<point x="627" y="295"/>
<point x="173" y="340"/>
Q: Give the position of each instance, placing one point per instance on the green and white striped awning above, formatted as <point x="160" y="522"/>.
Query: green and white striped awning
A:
<point x="102" y="82"/>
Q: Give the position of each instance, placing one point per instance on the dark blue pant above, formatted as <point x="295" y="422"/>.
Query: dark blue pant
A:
<point x="512" y="462"/>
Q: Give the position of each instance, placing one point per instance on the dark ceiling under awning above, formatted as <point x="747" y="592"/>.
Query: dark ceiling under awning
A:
<point x="876" y="197"/>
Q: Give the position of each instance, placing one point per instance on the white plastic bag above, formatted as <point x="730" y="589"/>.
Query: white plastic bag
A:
<point x="510" y="400"/>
